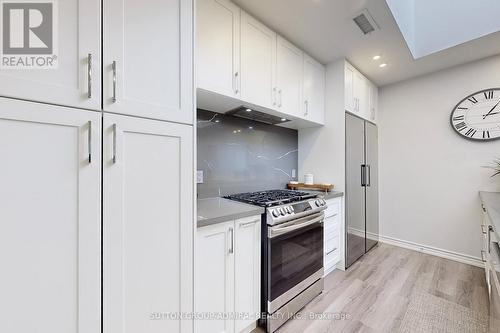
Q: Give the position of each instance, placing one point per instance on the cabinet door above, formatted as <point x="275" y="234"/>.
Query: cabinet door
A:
<point x="373" y="101"/>
<point x="258" y="61"/>
<point x="218" y="42"/>
<point x="50" y="234"/>
<point x="214" y="276"/>
<point x="289" y="66"/>
<point x="361" y="95"/>
<point x="247" y="270"/>
<point x="147" y="224"/>
<point x="150" y="43"/>
<point x="494" y="303"/>
<point x="76" y="45"/>
<point x="314" y="90"/>
<point x="350" y="103"/>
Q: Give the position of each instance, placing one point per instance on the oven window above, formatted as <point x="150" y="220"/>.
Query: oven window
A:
<point x="294" y="257"/>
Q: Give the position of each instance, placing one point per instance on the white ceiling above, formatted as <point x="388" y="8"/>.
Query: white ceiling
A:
<point x="324" y="29"/>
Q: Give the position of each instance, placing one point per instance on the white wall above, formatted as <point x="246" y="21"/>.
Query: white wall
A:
<point x="429" y="176"/>
<point x="322" y="149"/>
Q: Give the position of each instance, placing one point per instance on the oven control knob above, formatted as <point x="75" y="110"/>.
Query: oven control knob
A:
<point x="292" y="209"/>
<point x="282" y="211"/>
<point x="318" y="203"/>
<point x="323" y="201"/>
<point x="275" y="213"/>
<point x="288" y="210"/>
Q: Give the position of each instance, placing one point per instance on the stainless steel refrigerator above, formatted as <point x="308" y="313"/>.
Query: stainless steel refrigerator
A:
<point x="362" y="225"/>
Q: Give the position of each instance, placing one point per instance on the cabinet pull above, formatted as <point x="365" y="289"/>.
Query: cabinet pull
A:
<point x="335" y="249"/>
<point x="236" y="86"/>
<point x="89" y="142"/>
<point x="482" y="256"/>
<point x="231" y="241"/>
<point x="274" y="95"/>
<point x="114" y="81"/>
<point x="307" y="107"/>
<point x="484" y="208"/>
<point x="246" y="224"/>
<point x="483" y="230"/>
<point x="114" y="143"/>
<point x="368" y="176"/>
<point x="89" y="75"/>
<point x="279" y="92"/>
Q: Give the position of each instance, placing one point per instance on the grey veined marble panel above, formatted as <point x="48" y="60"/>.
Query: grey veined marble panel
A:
<point x="239" y="155"/>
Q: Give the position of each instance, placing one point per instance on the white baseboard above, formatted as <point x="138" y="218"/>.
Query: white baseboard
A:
<point x="451" y="255"/>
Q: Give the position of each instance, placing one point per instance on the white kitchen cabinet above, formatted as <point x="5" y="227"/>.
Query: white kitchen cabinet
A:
<point x="227" y="274"/>
<point x="50" y="230"/>
<point x="258" y="63"/>
<point x="313" y="91"/>
<point x="361" y="95"/>
<point x="289" y="71"/>
<point x="147" y="224"/>
<point x="333" y="235"/>
<point x="214" y="281"/>
<point x="76" y="80"/>
<point x="148" y="59"/>
<point x="218" y="47"/>
<point x="247" y="270"/>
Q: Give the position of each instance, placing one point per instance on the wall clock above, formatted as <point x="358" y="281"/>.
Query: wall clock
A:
<point x="477" y="116"/>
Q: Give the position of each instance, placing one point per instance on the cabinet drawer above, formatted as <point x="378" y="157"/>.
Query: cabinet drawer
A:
<point x="332" y="245"/>
<point x="333" y="208"/>
<point x="331" y="233"/>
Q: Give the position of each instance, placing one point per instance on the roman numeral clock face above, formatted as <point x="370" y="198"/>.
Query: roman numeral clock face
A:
<point x="477" y="117"/>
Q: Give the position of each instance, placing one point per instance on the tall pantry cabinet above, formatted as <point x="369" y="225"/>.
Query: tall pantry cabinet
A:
<point x="92" y="238"/>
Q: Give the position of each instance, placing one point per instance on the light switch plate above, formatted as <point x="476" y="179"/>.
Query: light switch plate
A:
<point x="199" y="177"/>
<point x="294" y="173"/>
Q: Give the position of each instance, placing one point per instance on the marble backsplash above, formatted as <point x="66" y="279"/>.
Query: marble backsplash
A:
<point x="238" y="155"/>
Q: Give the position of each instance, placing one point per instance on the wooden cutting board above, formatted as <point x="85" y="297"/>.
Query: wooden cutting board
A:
<point x="320" y="187"/>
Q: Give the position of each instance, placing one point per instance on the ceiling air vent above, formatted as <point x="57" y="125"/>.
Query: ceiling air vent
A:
<point x="365" y="22"/>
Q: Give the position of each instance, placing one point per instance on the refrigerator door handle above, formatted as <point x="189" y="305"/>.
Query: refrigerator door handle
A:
<point x="368" y="178"/>
<point x="363" y="175"/>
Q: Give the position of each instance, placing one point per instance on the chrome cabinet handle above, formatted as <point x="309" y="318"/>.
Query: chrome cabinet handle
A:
<point x="490" y="229"/>
<point x="89" y="75"/>
<point x="482" y="256"/>
<point x="482" y="229"/>
<point x="114" y="143"/>
<point x="484" y="208"/>
<point x="114" y="81"/>
<point x="307" y="107"/>
<point x="335" y="249"/>
<point x="236" y="86"/>
<point x="244" y="225"/>
<point x="280" y="94"/>
<point x="274" y="95"/>
<point x="363" y="175"/>
<point x="89" y="142"/>
<point x="231" y="248"/>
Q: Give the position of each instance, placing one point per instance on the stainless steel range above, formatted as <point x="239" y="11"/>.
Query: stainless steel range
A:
<point x="292" y="251"/>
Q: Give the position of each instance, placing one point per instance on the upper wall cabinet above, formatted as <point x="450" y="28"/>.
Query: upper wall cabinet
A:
<point x="218" y="47"/>
<point x="288" y="93"/>
<point x="258" y="63"/>
<point x="148" y="59"/>
<point x="361" y="95"/>
<point x="71" y="72"/>
<point x="313" y="92"/>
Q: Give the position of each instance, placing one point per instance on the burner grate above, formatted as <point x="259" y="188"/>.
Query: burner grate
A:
<point x="271" y="198"/>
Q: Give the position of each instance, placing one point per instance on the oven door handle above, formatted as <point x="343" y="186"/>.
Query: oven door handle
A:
<point x="280" y="230"/>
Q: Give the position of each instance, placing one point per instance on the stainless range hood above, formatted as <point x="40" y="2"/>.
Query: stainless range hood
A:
<point x="249" y="113"/>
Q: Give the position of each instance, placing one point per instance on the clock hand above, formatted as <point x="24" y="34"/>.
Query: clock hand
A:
<point x="486" y="115"/>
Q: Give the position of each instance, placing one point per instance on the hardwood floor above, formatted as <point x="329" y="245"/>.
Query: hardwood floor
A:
<point x="375" y="293"/>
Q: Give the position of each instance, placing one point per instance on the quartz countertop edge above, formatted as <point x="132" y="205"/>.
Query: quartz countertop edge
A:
<point x="328" y="195"/>
<point x="491" y="201"/>
<point x="218" y="210"/>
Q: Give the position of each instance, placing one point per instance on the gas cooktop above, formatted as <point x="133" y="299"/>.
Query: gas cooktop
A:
<point x="271" y="198"/>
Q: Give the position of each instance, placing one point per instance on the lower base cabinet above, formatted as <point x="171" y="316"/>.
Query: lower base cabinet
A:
<point x="227" y="276"/>
<point x="332" y="235"/>
<point x="50" y="218"/>
<point x="147" y="225"/>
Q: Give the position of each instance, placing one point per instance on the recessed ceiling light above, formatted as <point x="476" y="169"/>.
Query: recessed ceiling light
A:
<point x="248" y="110"/>
<point x="382" y="65"/>
<point x="377" y="57"/>
<point x="283" y="119"/>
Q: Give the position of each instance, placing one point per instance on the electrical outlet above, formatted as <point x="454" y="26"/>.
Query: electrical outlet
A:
<point x="294" y="173"/>
<point x="199" y="177"/>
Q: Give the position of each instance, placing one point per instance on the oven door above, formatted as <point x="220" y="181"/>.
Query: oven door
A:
<point x="295" y="258"/>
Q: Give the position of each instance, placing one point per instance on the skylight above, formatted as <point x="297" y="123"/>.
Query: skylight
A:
<point x="430" y="26"/>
